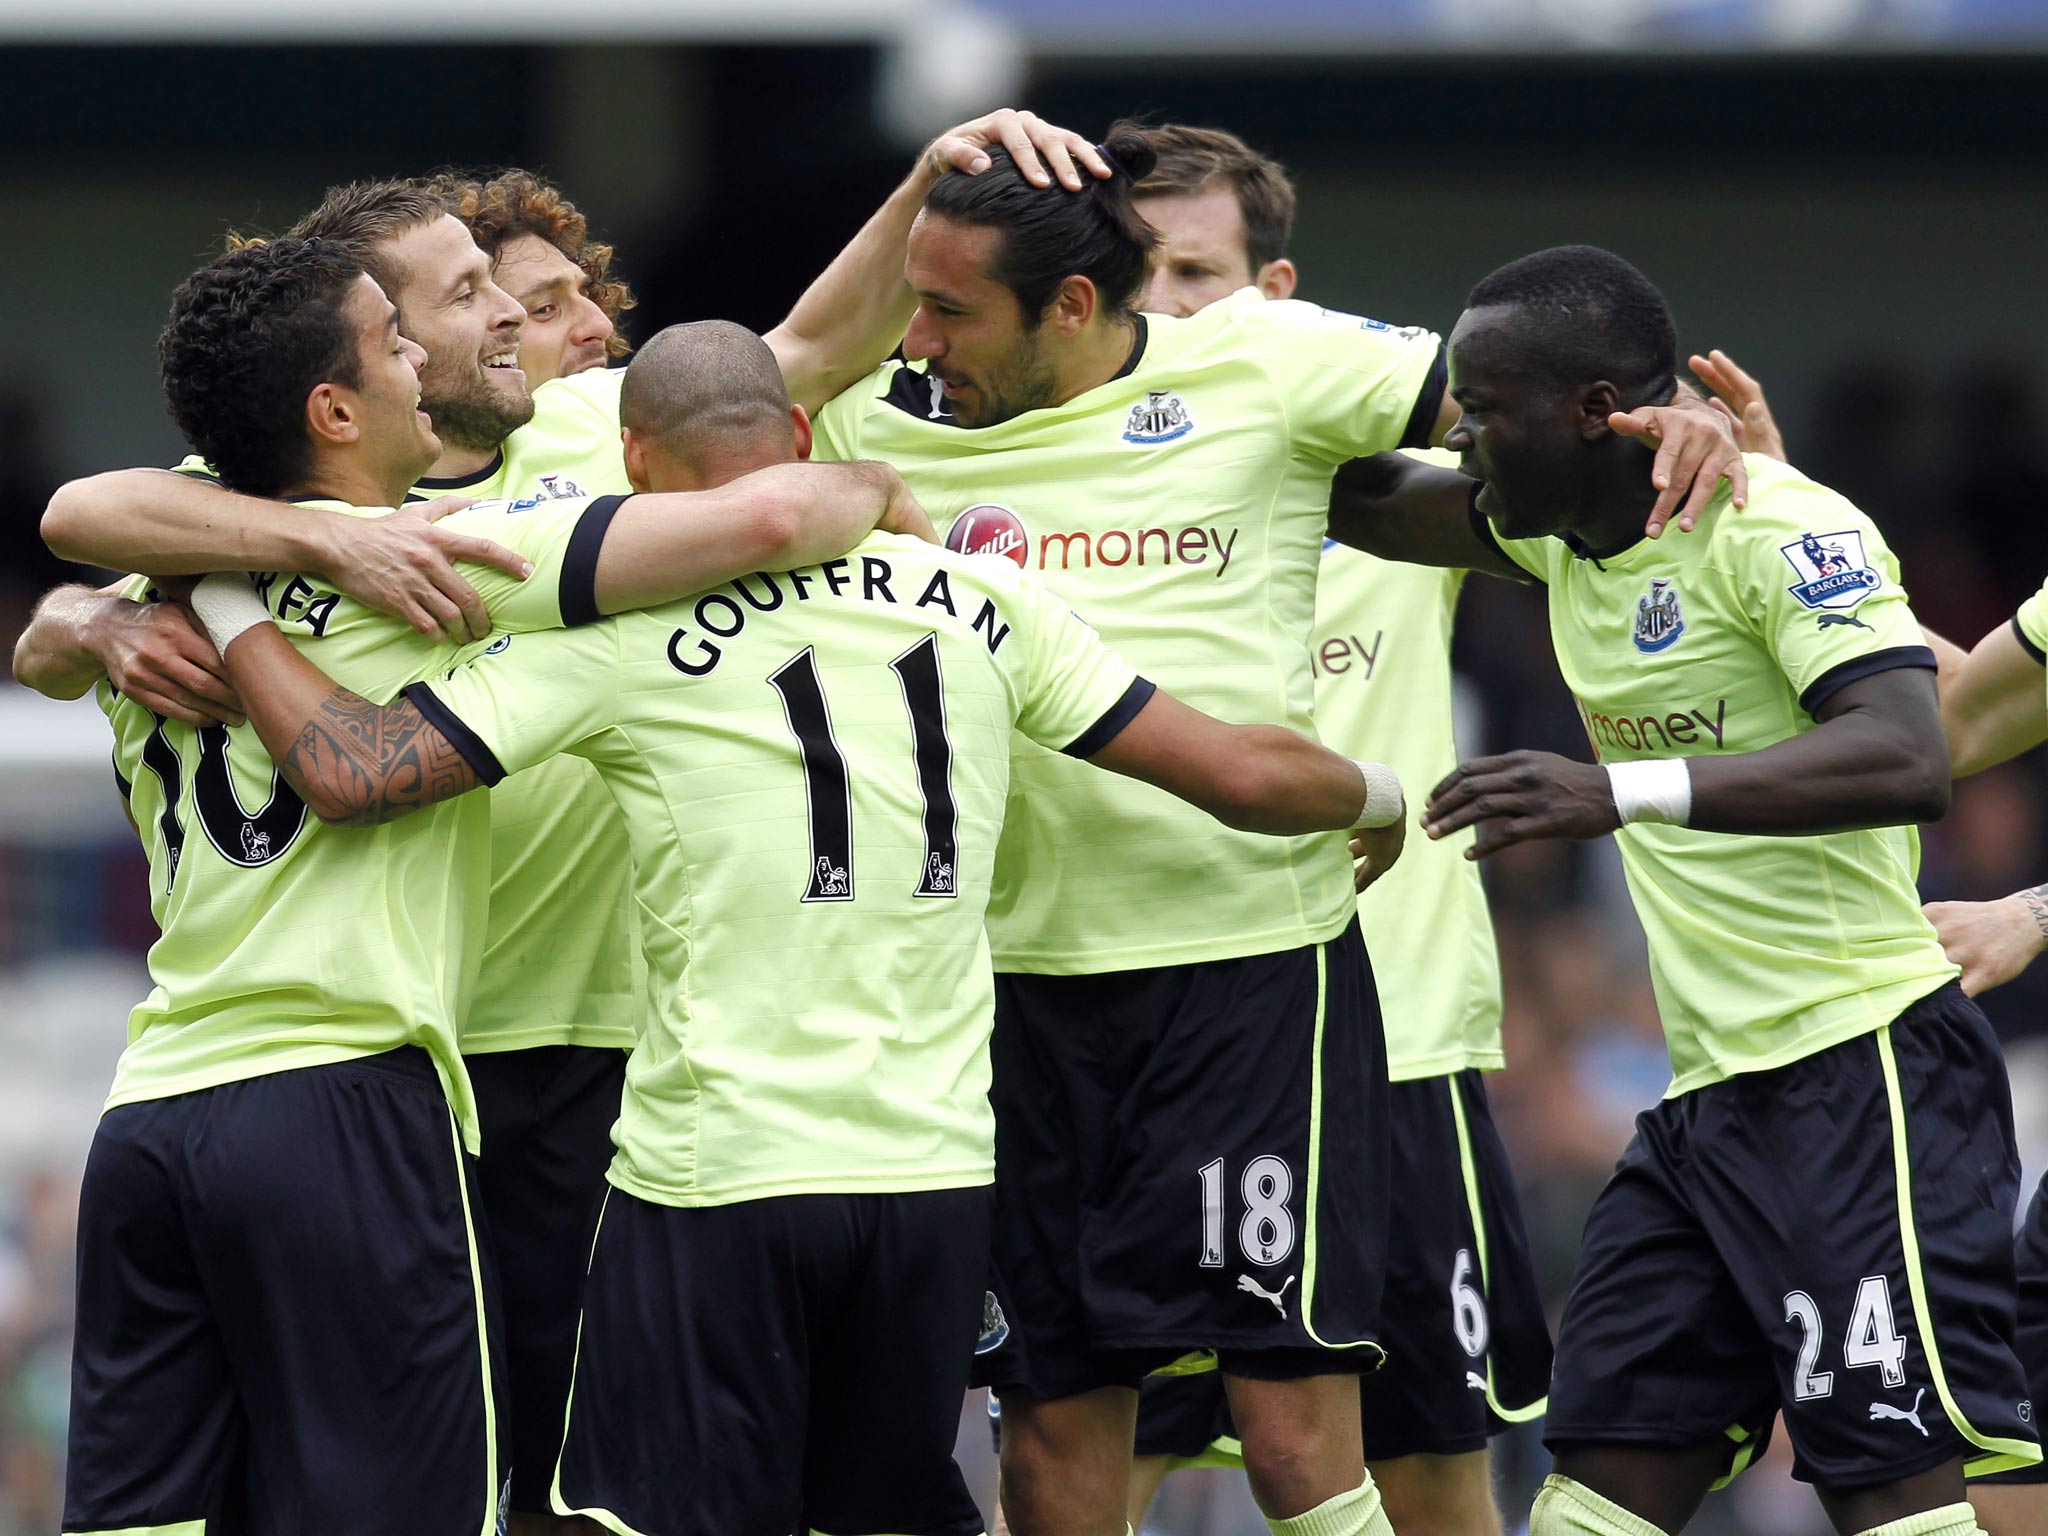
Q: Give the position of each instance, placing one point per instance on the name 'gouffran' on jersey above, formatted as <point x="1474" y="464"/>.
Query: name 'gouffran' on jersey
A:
<point x="813" y="768"/>
<point x="1763" y="950"/>
<point x="1180" y="507"/>
<point x="288" y="943"/>
<point x="1381" y="650"/>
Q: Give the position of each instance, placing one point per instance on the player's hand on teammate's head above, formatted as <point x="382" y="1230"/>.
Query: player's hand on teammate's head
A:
<point x="1375" y="850"/>
<point x="1993" y="941"/>
<point x="403" y="563"/>
<point x="1520" y="796"/>
<point x="1741" y="399"/>
<point x="159" y="656"/>
<point x="1696" y="450"/>
<point x="1032" y="142"/>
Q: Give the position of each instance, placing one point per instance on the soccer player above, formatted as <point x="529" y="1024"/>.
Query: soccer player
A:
<point x="1467" y="1345"/>
<point x="1993" y="709"/>
<point x="788" y="1275"/>
<point x="557" y="1001"/>
<point x="1174" y="1014"/>
<point x="1815" y="1219"/>
<point x="543" y="256"/>
<point x="281" y="1317"/>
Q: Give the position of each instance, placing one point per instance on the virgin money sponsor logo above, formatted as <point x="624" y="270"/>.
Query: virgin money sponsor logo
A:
<point x="990" y="530"/>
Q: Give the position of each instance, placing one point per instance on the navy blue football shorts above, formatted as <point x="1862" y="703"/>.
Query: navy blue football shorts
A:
<point x="284" y="1322"/>
<point x="1831" y="1238"/>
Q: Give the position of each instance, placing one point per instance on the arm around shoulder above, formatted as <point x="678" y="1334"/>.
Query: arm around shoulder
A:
<point x="1398" y="508"/>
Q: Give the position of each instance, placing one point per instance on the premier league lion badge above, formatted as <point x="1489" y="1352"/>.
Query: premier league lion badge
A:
<point x="1833" y="570"/>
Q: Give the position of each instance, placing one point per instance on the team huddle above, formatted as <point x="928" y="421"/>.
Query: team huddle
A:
<point x="812" y="872"/>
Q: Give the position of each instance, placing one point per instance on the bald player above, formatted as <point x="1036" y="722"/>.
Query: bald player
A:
<point x="787" y="1279"/>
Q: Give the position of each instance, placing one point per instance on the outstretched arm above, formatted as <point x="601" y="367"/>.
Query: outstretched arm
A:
<point x="354" y="763"/>
<point x="1402" y="509"/>
<point x="660" y="547"/>
<point x="852" y="316"/>
<point x="1876" y="759"/>
<point x="168" y="524"/>
<point x="151" y="652"/>
<point x="1994" y="701"/>
<point x="1261" y="778"/>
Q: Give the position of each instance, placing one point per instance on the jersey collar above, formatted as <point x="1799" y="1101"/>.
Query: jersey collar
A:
<point x="448" y="483"/>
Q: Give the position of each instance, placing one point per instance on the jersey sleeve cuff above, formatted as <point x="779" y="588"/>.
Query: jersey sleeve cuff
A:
<point x="443" y="719"/>
<point x="1110" y="726"/>
<point x="1429" y="403"/>
<point x="579" y="562"/>
<point x="1835" y="679"/>
<point x="2028" y="645"/>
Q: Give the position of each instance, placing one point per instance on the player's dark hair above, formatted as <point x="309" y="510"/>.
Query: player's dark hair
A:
<point x="504" y="205"/>
<point x="1586" y="314"/>
<point x="363" y="217"/>
<point x="1192" y="160"/>
<point x="1050" y="234"/>
<point x="707" y="388"/>
<point x="250" y="336"/>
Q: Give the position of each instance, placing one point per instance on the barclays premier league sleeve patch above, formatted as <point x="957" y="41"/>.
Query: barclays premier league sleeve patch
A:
<point x="1833" y="571"/>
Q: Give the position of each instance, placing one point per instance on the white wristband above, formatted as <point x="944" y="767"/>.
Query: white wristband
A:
<point x="1384" y="804"/>
<point x="227" y="605"/>
<point x="1659" y="790"/>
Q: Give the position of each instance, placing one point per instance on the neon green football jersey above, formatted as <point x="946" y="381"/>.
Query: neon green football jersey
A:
<point x="1763" y="950"/>
<point x="561" y="961"/>
<point x="813" y="769"/>
<point x="1180" y="507"/>
<point x="289" y="943"/>
<point x="1381" y="649"/>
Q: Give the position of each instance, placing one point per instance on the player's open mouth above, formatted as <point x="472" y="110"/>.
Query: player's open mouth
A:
<point x="506" y="362"/>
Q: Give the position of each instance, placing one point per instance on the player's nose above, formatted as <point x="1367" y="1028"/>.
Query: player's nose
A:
<point x="921" y="340"/>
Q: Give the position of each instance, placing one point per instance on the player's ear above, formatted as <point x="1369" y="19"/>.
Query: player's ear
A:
<point x="1276" y="279"/>
<point x="1073" y="306"/>
<point x="635" y="448"/>
<point x="331" y="414"/>
<point x="800" y="431"/>
<point x="1596" y="402"/>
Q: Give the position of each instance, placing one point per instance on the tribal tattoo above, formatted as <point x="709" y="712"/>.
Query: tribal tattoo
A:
<point x="358" y="764"/>
<point x="2037" y="907"/>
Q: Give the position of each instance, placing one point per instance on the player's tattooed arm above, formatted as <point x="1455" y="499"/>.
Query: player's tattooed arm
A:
<point x="1993" y="941"/>
<point x="151" y="652"/>
<point x="1991" y="699"/>
<point x="1399" y="508"/>
<point x="854" y="314"/>
<point x="1876" y="759"/>
<point x="358" y="764"/>
<point x="354" y="763"/>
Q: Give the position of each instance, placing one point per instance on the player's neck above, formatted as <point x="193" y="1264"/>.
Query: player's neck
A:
<point x="344" y="478"/>
<point x="460" y="463"/>
<point x="1616" y="505"/>
<point x="1099" y="354"/>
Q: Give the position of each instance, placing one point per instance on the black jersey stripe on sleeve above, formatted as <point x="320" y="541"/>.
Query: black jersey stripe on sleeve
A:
<point x="1118" y="715"/>
<point x="2027" y="645"/>
<point x="1835" y="679"/>
<point x="1429" y="403"/>
<point x="579" y="561"/>
<point x="121" y="783"/>
<point x="474" y="751"/>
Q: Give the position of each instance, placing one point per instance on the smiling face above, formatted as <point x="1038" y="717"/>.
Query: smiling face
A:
<point x="970" y="328"/>
<point x="395" y="437"/>
<point x="471" y="382"/>
<point x="565" y="332"/>
<point x="1519" y="432"/>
